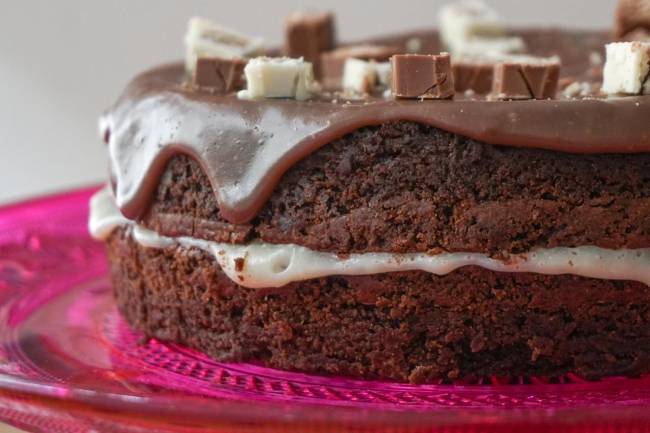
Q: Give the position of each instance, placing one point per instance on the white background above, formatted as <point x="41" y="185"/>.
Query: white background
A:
<point x="63" y="61"/>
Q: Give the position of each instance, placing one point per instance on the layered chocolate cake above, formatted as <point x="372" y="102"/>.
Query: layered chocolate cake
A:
<point x="440" y="205"/>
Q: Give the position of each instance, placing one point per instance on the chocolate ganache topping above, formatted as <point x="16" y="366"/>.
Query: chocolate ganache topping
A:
<point x="246" y="146"/>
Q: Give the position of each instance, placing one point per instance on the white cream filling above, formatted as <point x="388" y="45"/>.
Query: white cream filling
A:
<point x="263" y="265"/>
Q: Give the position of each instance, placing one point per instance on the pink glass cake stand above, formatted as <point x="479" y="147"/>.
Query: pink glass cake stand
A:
<point x="69" y="363"/>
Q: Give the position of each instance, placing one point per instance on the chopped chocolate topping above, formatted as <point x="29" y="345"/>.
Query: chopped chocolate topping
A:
<point x="527" y="79"/>
<point x="310" y="34"/>
<point x="219" y="75"/>
<point x="333" y="63"/>
<point x="463" y="22"/>
<point x="632" y="16"/>
<point x="265" y="153"/>
<point x="473" y="75"/>
<point x="207" y="39"/>
<point x="422" y="76"/>
<point x="359" y="76"/>
<point x="278" y="77"/>
<point x="627" y="68"/>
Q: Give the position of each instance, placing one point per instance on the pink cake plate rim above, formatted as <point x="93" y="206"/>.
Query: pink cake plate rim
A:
<point x="205" y="411"/>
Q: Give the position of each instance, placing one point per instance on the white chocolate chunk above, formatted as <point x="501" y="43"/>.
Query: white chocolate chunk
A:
<point x="470" y="28"/>
<point x="627" y="68"/>
<point x="468" y="19"/>
<point x="361" y="76"/>
<point x="207" y="39"/>
<point x="278" y="78"/>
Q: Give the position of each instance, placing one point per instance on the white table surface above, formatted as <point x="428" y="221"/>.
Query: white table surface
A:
<point x="62" y="62"/>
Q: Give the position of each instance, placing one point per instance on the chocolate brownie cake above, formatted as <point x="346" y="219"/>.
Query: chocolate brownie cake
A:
<point x="448" y="204"/>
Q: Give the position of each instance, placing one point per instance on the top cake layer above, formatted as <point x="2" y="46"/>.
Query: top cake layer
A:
<point x="245" y="146"/>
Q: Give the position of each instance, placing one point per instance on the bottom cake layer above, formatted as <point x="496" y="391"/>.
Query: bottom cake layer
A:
<point x="410" y="326"/>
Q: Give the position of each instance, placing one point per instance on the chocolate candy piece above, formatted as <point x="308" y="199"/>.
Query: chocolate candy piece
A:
<point x="359" y="76"/>
<point x="462" y="21"/>
<point x="627" y="69"/>
<point x="471" y="27"/>
<point x="219" y="75"/>
<point x="278" y="77"/>
<point x="333" y="62"/>
<point x="310" y="34"/>
<point x="207" y="39"/>
<point x="631" y="15"/>
<point x="530" y="78"/>
<point x="417" y="76"/>
<point x="473" y="75"/>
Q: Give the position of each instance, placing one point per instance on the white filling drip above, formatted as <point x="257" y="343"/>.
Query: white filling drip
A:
<point x="104" y="215"/>
<point x="261" y="265"/>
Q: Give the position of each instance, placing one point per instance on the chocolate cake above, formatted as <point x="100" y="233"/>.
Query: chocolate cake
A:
<point x="418" y="216"/>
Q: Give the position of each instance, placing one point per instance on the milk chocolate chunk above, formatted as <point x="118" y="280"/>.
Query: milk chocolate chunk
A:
<point x="631" y="16"/>
<point x="219" y="75"/>
<point x="532" y="78"/>
<point x="333" y="62"/>
<point x="475" y="76"/>
<point x="310" y="34"/>
<point x="417" y="76"/>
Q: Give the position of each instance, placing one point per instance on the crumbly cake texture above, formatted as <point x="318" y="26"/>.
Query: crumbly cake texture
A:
<point x="411" y="326"/>
<point x="403" y="187"/>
